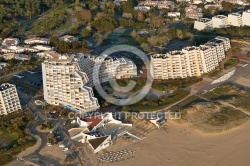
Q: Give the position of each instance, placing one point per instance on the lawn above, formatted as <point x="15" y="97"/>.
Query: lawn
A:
<point x="231" y="62"/>
<point x="151" y="105"/>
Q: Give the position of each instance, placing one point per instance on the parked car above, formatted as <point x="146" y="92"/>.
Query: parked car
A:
<point x="65" y="149"/>
<point x="48" y="144"/>
<point x="61" y="146"/>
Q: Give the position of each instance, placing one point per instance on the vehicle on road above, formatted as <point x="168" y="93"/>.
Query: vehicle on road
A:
<point x="48" y="144"/>
<point x="65" y="149"/>
<point x="61" y="146"/>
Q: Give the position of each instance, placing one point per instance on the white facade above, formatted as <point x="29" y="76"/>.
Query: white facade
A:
<point x="64" y="84"/>
<point x="235" y="19"/>
<point x="203" y="24"/>
<point x="42" y="48"/>
<point x="37" y="41"/>
<point x="190" y="61"/>
<point x="219" y="21"/>
<point x="9" y="101"/>
<point x="246" y="18"/>
<point x="10" y="42"/>
<point x="109" y="68"/>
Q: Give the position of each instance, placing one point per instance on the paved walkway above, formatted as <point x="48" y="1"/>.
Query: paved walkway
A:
<point x="31" y="149"/>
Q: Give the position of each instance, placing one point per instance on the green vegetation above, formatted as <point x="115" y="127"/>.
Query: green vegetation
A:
<point x="45" y="126"/>
<point x="214" y="72"/>
<point x="248" y="54"/>
<point x="231" y="62"/>
<point x="75" y="46"/>
<point x="234" y="31"/>
<point x="14" y="137"/>
<point x="231" y="94"/>
<point x="161" y="85"/>
<point x="85" y="33"/>
<point x="148" y="104"/>
<point x="12" y="11"/>
<point x="209" y="116"/>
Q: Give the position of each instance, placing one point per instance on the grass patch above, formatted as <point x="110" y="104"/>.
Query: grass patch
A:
<point x="213" y="73"/>
<point x="231" y="62"/>
<point x="248" y="54"/>
<point x="151" y="105"/>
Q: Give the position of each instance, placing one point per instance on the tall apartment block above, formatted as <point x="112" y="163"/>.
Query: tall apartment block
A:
<point x="246" y="18"/>
<point x="203" y="24"/>
<point x="175" y="64"/>
<point x="9" y="101"/>
<point x="110" y="68"/>
<point x="190" y="61"/>
<point x="235" y="19"/>
<point x="64" y="84"/>
<point x="219" y="21"/>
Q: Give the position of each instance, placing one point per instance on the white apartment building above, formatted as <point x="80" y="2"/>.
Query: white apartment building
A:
<point x="225" y="41"/>
<point x="110" y="68"/>
<point x="9" y="101"/>
<point x="175" y="64"/>
<point x="219" y="21"/>
<point x="246" y="18"/>
<point x="190" y="61"/>
<point x="203" y="24"/>
<point x="64" y="84"/>
<point x="235" y="19"/>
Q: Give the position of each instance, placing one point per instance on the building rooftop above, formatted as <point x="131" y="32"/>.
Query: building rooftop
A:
<point x="204" y="20"/>
<point x="5" y="86"/>
<point x="235" y="14"/>
<point x="220" y="16"/>
<point x="97" y="141"/>
<point x="94" y="120"/>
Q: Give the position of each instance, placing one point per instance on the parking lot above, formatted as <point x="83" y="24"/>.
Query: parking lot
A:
<point x="28" y="83"/>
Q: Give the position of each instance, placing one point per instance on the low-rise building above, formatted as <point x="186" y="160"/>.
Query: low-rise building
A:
<point x="174" y="14"/>
<point x="49" y="54"/>
<point x="203" y="24"/>
<point x="235" y="19"/>
<point x="219" y="21"/>
<point x="99" y="130"/>
<point x="37" y="40"/>
<point x="193" y="12"/>
<point x="18" y="49"/>
<point x="20" y="57"/>
<point x="10" y="42"/>
<point x="9" y="101"/>
<point x="2" y="65"/>
<point x="42" y="48"/>
<point x="160" y="4"/>
<point x="69" y="38"/>
<point x="246" y="18"/>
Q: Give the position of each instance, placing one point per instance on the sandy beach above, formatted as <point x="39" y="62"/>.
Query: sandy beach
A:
<point x="181" y="145"/>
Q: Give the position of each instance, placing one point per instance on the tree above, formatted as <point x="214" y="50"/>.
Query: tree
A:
<point x="85" y="33"/>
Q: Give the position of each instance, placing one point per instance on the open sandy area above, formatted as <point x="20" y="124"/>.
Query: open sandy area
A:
<point x="181" y="145"/>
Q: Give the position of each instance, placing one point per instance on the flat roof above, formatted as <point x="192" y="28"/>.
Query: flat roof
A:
<point x="6" y="86"/>
<point x="204" y="20"/>
<point x="220" y="16"/>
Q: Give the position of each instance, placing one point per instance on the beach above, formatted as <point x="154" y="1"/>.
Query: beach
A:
<point x="181" y="145"/>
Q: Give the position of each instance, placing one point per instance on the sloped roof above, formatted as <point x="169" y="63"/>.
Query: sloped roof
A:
<point x="95" y="120"/>
<point x="95" y="143"/>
